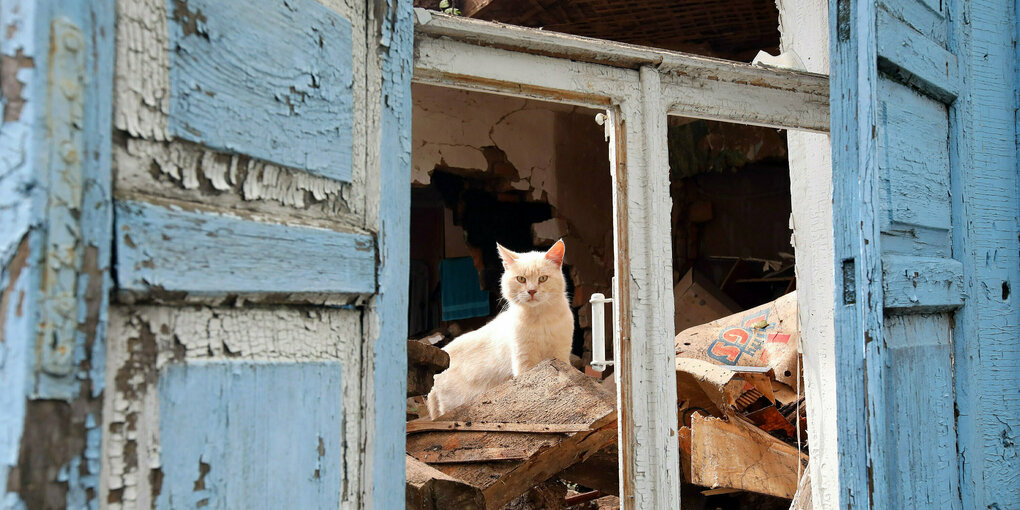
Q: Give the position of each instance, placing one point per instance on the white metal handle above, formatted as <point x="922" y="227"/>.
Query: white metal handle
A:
<point x="598" y="331"/>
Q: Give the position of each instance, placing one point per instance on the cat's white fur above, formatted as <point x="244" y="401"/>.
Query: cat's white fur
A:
<point x="535" y="326"/>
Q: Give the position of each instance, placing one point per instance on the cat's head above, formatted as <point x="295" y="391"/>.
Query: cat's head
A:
<point x="533" y="278"/>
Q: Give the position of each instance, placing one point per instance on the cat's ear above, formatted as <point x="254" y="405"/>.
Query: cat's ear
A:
<point x="508" y="257"/>
<point x="555" y="253"/>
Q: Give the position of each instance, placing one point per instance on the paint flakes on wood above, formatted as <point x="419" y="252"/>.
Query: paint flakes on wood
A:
<point x="185" y="171"/>
<point x="142" y="81"/>
<point x="11" y="86"/>
<point x="272" y="80"/>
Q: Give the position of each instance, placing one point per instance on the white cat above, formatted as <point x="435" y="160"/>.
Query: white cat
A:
<point x="536" y="325"/>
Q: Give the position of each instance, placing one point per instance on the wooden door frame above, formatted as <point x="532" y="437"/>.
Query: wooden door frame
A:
<point x="639" y="87"/>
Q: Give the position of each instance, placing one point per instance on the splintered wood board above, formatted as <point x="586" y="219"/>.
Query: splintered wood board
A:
<point x="737" y="455"/>
<point x="551" y="393"/>
<point x="430" y="489"/>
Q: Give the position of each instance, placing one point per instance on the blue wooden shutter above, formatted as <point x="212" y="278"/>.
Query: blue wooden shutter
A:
<point x="245" y="193"/>
<point x="906" y="75"/>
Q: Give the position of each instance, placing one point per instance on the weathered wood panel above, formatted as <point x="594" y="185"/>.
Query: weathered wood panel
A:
<point x="856" y="223"/>
<point x="55" y="217"/>
<point x="915" y="59"/>
<point x="986" y="199"/>
<point x="389" y="158"/>
<point x="931" y="23"/>
<point x="913" y="157"/>
<point x="918" y="416"/>
<point x="251" y="435"/>
<point x="187" y="172"/>
<point x="266" y="78"/>
<point x="145" y="339"/>
<point x="922" y="283"/>
<point x="172" y="250"/>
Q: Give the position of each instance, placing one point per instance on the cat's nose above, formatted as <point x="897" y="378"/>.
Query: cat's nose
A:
<point x="532" y="291"/>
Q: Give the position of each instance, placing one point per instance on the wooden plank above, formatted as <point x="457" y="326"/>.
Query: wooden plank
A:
<point x="736" y="455"/>
<point x="647" y="375"/>
<point x="922" y="284"/>
<point x="272" y="80"/>
<point x="915" y="59"/>
<point x="600" y="471"/>
<point x="249" y="451"/>
<point x="567" y="68"/>
<point x="914" y="178"/>
<point x="986" y="205"/>
<point x="168" y="250"/>
<point x="423" y="363"/>
<point x="390" y="39"/>
<point x="857" y="258"/>
<point x="55" y="139"/>
<point x="802" y="500"/>
<point x="495" y="454"/>
<point x="918" y="413"/>
<point x="551" y="393"/>
<point x="932" y="24"/>
<point x="430" y="489"/>
<point x="471" y="426"/>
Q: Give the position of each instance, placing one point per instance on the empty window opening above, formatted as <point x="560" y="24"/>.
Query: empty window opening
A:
<point x="733" y="308"/>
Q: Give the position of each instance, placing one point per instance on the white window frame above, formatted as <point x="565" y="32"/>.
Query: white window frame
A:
<point x="638" y="87"/>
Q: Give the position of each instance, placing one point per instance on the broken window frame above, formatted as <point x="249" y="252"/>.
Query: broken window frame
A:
<point x="638" y="87"/>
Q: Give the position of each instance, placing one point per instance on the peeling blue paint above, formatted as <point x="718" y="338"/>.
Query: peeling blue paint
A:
<point x="390" y="349"/>
<point x="986" y="214"/>
<point x="168" y="249"/>
<point x="925" y="187"/>
<point x="54" y="208"/>
<point x="251" y="435"/>
<point x="268" y="78"/>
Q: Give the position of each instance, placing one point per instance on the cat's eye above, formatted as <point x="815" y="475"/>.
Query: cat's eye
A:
<point x="542" y="278"/>
<point x="522" y="279"/>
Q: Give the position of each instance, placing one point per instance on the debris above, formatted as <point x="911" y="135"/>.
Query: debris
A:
<point x="423" y="363"/>
<point x="735" y="454"/>
<point x="504" y="464"/>
<point x="765" y="336"/>
<point x="697" y="301"/>
<point x="428" y="488"/>
<point x="599" y="471"/>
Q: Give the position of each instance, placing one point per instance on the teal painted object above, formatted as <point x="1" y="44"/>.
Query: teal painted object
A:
<point x="251" y="435"/>
<point x="461" y="296"/>
<point x="209" y="254"/>
<point x="389" y="350"/>
<point x="268" y="78"/>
